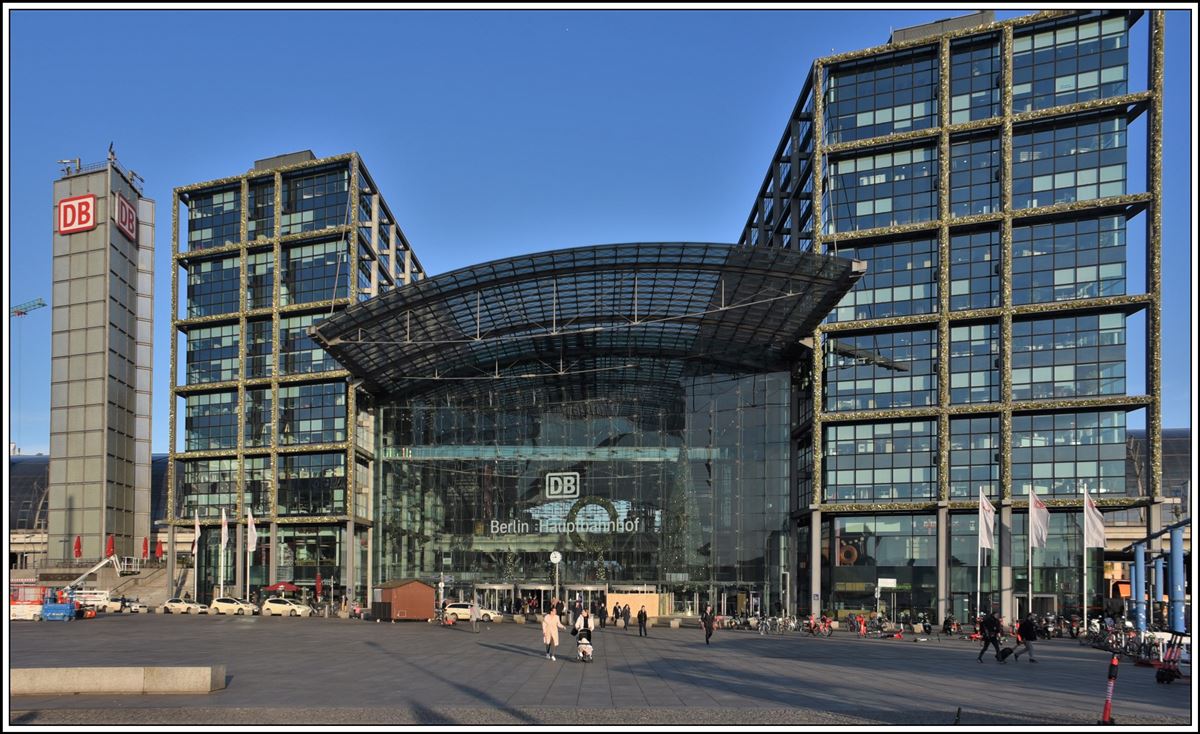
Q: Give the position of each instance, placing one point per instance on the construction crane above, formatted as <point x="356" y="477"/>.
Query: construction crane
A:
<point x="25" y="308"/>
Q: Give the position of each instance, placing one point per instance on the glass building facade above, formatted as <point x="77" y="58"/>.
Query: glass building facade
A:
<point x="653" y="450"/>
<point x="981" y="169"/>
<point x="268" y="418"/>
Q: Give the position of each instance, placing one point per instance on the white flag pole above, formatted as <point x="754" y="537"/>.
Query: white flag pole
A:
<point x="1085" y="550"/>
<point x="1029" y="559"/>
<point x="978" y="576"/>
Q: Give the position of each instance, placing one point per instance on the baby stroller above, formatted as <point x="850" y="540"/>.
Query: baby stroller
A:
<point x="583" y="645"/>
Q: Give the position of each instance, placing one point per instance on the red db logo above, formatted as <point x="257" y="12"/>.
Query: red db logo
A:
<point x="77" y="214"/>
<point x="126" y="218"/>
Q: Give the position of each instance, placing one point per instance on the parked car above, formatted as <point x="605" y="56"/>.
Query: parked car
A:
<point x="280" y="607"/>
<point x="179" y="606"/>
<point x="230" y="605"/>
<point x="462" y="611"/>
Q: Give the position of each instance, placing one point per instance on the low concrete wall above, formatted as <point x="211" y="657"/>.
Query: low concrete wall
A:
<point x="136" y="680"/>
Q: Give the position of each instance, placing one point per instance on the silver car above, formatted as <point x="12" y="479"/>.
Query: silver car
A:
<point x="280" y="607"/>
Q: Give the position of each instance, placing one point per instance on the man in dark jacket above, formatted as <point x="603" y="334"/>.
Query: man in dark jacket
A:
<point x="708" y="620"/>
<point x="990" y="630"/>
<point x="642" y="622"/>
<point x="625" y="616"/>
<point x="1028" y="633"/>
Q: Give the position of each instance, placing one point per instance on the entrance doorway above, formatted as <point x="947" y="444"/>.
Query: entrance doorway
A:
<point x="496" y="596"/>
<point x="589" y="594"/>
<point x="539" y="593"/>
<point x="1042" y="604"/>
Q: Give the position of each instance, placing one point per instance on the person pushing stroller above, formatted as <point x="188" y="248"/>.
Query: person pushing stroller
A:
<point x="583" y="636"/>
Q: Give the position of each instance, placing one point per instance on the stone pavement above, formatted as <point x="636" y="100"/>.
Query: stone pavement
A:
<point x="317" y="671"/>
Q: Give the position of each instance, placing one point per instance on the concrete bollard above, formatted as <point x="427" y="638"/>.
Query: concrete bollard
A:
<point x="674" y="624"/>
<point x="519" y="618"/>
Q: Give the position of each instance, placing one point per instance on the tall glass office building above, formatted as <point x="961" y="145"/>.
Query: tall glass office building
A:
<point x="981" y="169"/>
<point x="271" y="424"/>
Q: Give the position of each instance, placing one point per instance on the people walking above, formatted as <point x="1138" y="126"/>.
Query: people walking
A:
<point x="641" y="617"/>
<point x="1027" y="631"/>
<point x="616" y="613"/>
<point x="625" y="616"/>
<point x="708" y="620"/>
<point x="474" y="617"/>
<point x="601" y="613"/>
<point x="990" y="631"/>
<point x="550" y="627"/>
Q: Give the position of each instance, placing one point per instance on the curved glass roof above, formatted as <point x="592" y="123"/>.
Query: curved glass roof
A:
<point x="592" y="320"/>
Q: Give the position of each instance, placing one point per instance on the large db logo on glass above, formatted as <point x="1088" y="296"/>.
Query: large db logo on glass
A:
<point x="562" y="485"/>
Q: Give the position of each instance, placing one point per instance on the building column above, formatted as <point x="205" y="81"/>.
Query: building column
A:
<point x="813" y="603"/>
<point x="273" y="561"/>
<point x="943" y="564"/>
<point x="348" y="576"/>
<point x="1006" y="575"/>
<point x="170" y="561"/>
<point x="239" y="563"/>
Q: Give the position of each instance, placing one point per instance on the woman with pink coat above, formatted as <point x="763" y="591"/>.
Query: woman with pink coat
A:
<point x="550" y="628"/>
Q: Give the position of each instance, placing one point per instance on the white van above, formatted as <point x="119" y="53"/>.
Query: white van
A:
<point x="98" y="599"/>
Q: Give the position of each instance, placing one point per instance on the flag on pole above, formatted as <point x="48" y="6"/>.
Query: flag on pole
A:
<point x="224" y="530"/>
<point x="1093" y="524"/>
<point x="987" y="517"/>
<point x="196" y="534"/>
<point x="1039" y="522"/>
<point x="251" y="533"/>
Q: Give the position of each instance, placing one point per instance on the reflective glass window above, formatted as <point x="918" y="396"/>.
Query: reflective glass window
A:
<point x="874" y="462"/>
<point x="213" y="286"/>
<point x="1069" y="161"/>
<point x="975" y="270"/>
<point x="901" y="280"/>
<point x="312" y="413"/>
<point x="974" y="457"/>
<point x="212" y="354"/>
<point x="1059" y="261"/>
<point x="211" y="421"/>
<point x="1056" y="454"/>
<point x="975" y="363"/>
<point x="881" y="190"/>
<point x="314" y="272"/>
<point x="1070" y="62"/>
<point x="1068" y="356"/>
<point x="882" y="370"/>
<point x="881" y="95"/>
<point x="214" y="219"/>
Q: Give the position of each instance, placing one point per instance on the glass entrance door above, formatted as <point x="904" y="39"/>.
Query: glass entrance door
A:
<point x="535" y="598"/>
<point x="498" y="597"/>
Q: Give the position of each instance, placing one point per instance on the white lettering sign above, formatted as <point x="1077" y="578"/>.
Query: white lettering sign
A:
<point x="77" y="214"/>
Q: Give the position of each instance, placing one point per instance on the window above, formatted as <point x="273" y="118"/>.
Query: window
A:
<point x="214" y="219"/>
<point x="258" y="421"/>
<point x="212" y="354"/>
<point x="261" y="218"/>
<point x="312" y="413"/>
<point x="258" y="348"/>
<point x="315" y="201"/>
<point x="298" y="352"/>
<point x="881" y="190"/>
<point x="312" y="484"/>
<point x="1067" y="260"/>
<point x="974" y="457"/>
<point x="1069" y="62"/>
<point x="975" y="270"/>
<point x="881" y="95"/>
<point x="213" y="286"/>
<point x="1057" y="454"/>
<point x="1069" y="161"/>
<point x="211" y="421"/>
<point x="314" y="272"/>
<point x="881" y="462"/>
<point x="260" y="277"/>
<point x="974" y="176"/>
<point x="889" y="370"/>
<point x="974" y="79"/>
<point x="901" y="281"/>
<point x="1070" y="356"/>
<point x="974" y="363"/>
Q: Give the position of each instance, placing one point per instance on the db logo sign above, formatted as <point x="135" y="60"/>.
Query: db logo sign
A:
<point x="126" y="218"/>
<point x="77" y="214"/>
<point x="562" y="485"/>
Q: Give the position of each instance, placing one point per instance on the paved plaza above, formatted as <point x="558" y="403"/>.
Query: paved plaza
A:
<point x="327" y="671"/>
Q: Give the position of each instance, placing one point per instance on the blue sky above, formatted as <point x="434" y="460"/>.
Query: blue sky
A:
<point x="490" y="134"/>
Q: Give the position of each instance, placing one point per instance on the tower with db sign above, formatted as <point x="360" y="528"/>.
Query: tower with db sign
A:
<point x="100" y="364"/>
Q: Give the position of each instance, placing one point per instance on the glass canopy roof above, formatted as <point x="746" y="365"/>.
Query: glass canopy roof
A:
<point x="605" y="321"/>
